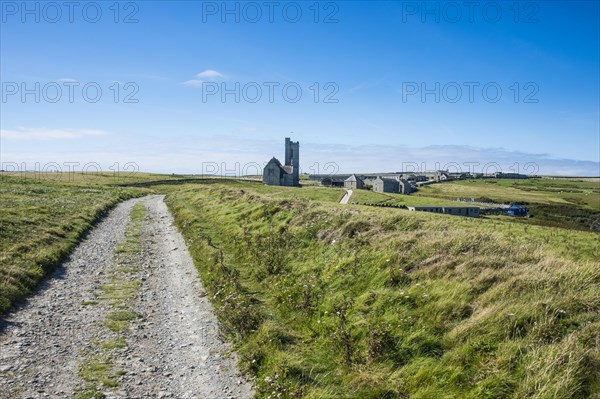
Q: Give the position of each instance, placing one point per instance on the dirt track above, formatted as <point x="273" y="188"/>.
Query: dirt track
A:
<point x="172" y="349"/>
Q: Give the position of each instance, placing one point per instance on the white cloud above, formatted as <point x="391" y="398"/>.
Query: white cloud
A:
<point x="210" y="74"/>
<point x="22" y="133"/>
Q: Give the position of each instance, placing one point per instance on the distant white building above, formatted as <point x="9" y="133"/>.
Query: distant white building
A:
<point x="354" y="182"/>
<point x="392" y="185"/>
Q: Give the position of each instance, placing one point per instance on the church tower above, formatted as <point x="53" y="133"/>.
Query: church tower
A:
<point x="292" y="158"/>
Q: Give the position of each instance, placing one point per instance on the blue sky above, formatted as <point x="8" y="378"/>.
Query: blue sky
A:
<point x="369" y="63"/>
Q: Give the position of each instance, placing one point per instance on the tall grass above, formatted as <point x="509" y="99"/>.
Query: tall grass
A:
<point x="40" y="224"/>
<point x="325" y="301"/>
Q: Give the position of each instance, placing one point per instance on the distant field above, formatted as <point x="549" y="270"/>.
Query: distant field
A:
<point x="93" y="178"/>
<point x="572" y="204"/>
<point x="330" y="301"/>
<point x="40" y="223"/>
<point x="539" y="191"/>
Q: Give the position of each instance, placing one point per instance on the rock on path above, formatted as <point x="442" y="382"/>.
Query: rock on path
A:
<point x="174" y="351"/>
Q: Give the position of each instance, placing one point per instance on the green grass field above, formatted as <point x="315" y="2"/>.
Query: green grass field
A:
<point x="41" y="221"/>
<point x="329" y="301"/>
<point x="89" y="179"/>
<point x="572" y="204"/>
<point x="584" y="193"/>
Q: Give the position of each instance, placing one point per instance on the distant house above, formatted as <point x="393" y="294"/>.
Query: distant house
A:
<point x="458" y="176"/>
<point x="404" y="186"/>
<point x="354" y="182"/>
<point x="440" y="175"/>
<point x="276" y="174"/>
<point x="502" y="175"/>
<point x="368" y="180"/>
<point x="385" y="185"/>
<point x="413" y="177"/>
<point x="389" y="185"/>
<point x="333" y="181"/>
<point x="468" y="211"/>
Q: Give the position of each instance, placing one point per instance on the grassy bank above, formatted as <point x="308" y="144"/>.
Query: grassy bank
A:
<point x="41" y="221"/>
<point x="325" y="301"/>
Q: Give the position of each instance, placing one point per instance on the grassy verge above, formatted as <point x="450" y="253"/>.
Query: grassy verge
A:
<point x="355" y="302"/>
<point x="97" y="367"/>
<point x="40" y="224"/>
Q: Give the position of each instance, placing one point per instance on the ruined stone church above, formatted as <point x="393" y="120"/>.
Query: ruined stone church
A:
<point x="276" y="174"/>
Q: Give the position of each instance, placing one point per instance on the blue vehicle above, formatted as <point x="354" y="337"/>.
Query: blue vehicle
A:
<point x="515" y="210"/>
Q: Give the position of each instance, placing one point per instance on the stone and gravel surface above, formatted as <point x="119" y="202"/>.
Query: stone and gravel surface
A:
<point x="173" y="350"/>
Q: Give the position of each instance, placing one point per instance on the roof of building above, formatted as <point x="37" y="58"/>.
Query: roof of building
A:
<point x="282" y="167"/>
<point x="387" y="179"/>
<point x="353" y="178"/>
<point x="275" y="160"/>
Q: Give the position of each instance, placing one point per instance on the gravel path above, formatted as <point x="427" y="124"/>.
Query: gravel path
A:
<point x="172" y="350"/>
